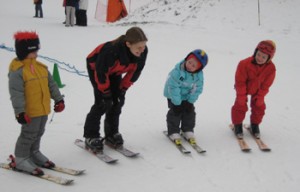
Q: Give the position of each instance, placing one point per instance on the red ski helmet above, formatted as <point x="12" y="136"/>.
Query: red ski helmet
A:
<point x="268" y="47"/>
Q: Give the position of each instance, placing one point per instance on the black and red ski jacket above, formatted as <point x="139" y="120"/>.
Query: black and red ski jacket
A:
<point x="115" y="59"/>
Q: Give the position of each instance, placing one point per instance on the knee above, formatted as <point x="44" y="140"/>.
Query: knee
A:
<point x="117" y="109"/>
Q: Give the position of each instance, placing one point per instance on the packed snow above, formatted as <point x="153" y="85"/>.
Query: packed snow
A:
<point x="229" y="32"/>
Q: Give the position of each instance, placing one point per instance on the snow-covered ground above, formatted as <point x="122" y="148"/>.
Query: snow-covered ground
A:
<point x="228" y="31"/>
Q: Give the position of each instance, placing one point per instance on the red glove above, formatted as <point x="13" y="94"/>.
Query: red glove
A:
<point x="241" y="100"/>
<point x="259" y="101"/>
<point x="22" y="118"/>
<point x="59" y="106"/>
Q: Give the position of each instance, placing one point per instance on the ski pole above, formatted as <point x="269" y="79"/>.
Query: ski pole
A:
<point x="258" y="12"/>
<point x="52" y="117"/>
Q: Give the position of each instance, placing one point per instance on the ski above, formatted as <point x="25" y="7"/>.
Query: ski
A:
<point x="242" y="143"/>
<point x="66" y="170"/>
<point x="180" y="147"/>
<point x="100" y="154"/>
<point x="195" y="145"/>
<point x="48" y="177"/>
<point x="123" y="150"/>
<point x="261" y="145"/>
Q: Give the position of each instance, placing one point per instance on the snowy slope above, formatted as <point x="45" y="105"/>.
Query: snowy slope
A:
<point x="228" y="31"/>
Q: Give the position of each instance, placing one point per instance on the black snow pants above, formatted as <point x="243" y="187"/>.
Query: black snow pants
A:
<point x="112" y="114"/>
<point x="180" y="120"/>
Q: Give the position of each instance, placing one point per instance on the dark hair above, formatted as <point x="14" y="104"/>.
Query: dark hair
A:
<point x="132" y="36"/>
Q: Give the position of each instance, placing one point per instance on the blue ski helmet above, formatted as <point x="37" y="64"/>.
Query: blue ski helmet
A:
<point x="201" y="56"/>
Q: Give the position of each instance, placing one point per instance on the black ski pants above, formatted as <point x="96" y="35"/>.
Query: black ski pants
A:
<point x="179" y="118"/>
<point x="112" y="113"/>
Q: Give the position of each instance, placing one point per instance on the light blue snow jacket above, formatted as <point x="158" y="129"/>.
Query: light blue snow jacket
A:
<point x="182" y="85"/>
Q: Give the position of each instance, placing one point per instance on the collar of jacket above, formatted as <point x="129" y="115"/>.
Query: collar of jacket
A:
<point x="17" y="64"/>
<point x="126" y="57"/>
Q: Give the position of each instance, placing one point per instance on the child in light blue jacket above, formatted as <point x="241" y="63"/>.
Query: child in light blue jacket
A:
<point x="182" y="89"/>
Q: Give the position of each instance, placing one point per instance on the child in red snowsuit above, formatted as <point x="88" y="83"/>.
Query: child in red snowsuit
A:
<point x="254" y="76"/>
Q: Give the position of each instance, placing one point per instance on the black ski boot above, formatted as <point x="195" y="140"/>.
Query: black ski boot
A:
<point x="115" y="140"/>
<point x="95" y="144"/>
<point x="254" y="128"/>
<point x="238" y="130"/>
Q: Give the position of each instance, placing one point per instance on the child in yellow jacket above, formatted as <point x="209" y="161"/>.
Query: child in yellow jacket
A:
<point x="31" y="88"/>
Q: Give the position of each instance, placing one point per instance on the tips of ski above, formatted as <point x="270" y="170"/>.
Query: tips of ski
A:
<point x="195" y="145"/>
<point x="122" y="149"/>
<point x="242" y="143"/>
<point x="261" y="145"/>
<point x="67" y="170"/>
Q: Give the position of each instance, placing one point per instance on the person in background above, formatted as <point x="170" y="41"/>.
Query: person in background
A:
<point x="254" y="76"/>
<point x="31" y="88"/>
<point x="38" y="8"/>
<point x="64" y="5"/>
<point x="182" y="89"/>
<point x="113" y="67"/>
<point x="81" y="16"/>
<point x="70" y="12"/>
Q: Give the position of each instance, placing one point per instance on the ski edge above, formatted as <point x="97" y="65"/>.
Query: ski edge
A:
<point x="67" y="170"/>
<point x="195" y="146"/>
<point x="198" y="148"/>
<point x="123" y="150"/>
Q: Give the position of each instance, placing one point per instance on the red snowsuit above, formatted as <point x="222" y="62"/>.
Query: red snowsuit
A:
<point x="255" y="80"/>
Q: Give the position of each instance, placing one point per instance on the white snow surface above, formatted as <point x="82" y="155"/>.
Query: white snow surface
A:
<point x="228" y="30"/>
